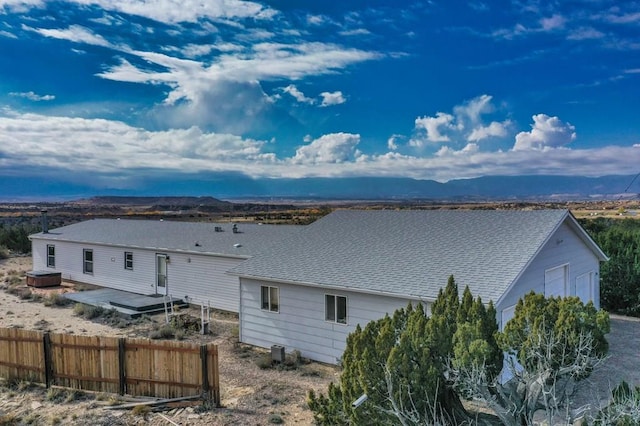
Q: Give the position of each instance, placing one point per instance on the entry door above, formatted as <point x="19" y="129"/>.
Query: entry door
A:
<point x="161" y="274"/>
<point x="584" y="285"/>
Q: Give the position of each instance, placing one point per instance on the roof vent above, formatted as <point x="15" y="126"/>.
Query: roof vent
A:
<point x="237" y="245"/>
<point x="235" y="229"/>
<point x="45" y="222"/>
<point x="197" y="243"/>
<point x="218" y="228"/>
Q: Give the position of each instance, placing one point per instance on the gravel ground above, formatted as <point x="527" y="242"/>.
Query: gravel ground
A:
<point x="623" y="363"/>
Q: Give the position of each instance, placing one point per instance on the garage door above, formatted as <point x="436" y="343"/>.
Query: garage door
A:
<point x="555" y="281"/>
<point x="584" y="286"/>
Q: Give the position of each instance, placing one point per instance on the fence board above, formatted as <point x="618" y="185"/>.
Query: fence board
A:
<point x="22" y="354"/>
<point x="138" y="367"/>
<point x="85" y="362"/>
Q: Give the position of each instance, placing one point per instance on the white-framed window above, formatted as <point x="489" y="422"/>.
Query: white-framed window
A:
<point x="269" y="298"/>
<point x="128" y="260"/>
<point x="87" y="261"/>
<point x="335" y="308"/>
<point x="51" y="256"/>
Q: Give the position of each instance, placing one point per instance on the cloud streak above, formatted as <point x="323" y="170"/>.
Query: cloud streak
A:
<point x="103" y="148"/>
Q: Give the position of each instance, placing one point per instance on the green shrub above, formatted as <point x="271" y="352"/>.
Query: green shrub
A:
<point x="264" y="362"/>
<point x="88" y="311"/>
<point x="4" y="252"/>
<point x="55" y="395"/>
<point x="166" y="331"/>
<point x="56" y="300"/>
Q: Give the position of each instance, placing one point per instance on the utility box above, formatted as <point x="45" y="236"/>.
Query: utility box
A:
<point x="277" y="353"/>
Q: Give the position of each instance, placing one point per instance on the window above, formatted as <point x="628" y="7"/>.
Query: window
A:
<point x="335" y="308"/>
<point x="51" y="256"/>
<point x="270" y="299"/>
<point x="87" y="267"/>
<point x="128" y="260"/>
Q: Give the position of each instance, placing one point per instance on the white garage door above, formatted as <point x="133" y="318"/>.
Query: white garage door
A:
<point x="584" y="287"/>
<point x="555" y="281"/>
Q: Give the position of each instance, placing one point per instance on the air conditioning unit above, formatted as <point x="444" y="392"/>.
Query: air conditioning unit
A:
<point x="277" y="353"/>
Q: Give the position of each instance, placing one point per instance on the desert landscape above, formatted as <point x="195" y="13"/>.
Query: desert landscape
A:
<point x="250" y="393"/>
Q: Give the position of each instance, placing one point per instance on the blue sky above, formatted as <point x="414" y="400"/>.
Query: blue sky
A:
<point x="113" y="92"/>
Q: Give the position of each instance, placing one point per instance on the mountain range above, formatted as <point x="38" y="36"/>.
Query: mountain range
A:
<point x="356" y="188"/>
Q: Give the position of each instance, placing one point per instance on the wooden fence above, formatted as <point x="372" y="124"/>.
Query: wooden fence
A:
<point x="138" y="367"/>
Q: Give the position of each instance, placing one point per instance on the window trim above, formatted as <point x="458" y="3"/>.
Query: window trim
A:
<point x="51" y="256"/>
<point x="335" y="319"/>
<point x="128" y="260"/>
<point x="86" y="263"/>
<point x="269" y="305"/>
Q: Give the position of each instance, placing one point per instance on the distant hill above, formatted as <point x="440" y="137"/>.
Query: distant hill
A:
<point x="115" y="200"/>
<point x="188" y="193"/>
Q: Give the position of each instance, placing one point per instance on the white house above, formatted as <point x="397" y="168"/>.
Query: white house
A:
<point x="182" y="259"/>
<point x="311" y="290"/>
<point x="307" y="287"/>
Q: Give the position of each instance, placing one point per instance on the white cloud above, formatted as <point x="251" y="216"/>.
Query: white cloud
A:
<point x="106" y="148"/>
<point x="470" y="112"/>
<point x="392" y="142"/>
<point x="552" y="23"/>
<point x="265" y="61"/>
<point x="623" y="18"/>
<point x="466" y="124"/>
<point x="7" y="34"/>
<point x="434" y="127"/>
<point x="172" y="12"/>
<point x="355" y="32"/>
<point x="495" y="129"/>
<point x="298" y="95"/>
<point x="75" y="33"/>
<point x="585" y="33"/>
<point x="332" y="98"/>
<point x="32" y="96"/>
<point x="330" y="148"/>
<point x="318" y="20"/>
<point x="470" y="148"/>
<point x="103" y="146"/>
<point x="546" y="132"/>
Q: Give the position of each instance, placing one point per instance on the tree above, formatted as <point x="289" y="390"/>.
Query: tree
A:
<point x="620" y="276"/>
<point x="557" y="343"/>
<point x="400" y="361"/>
<point x="417" y="370"/>
<point x="624" y="409"/>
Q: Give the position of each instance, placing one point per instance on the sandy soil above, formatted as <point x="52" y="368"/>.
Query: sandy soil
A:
<point x="250" y="395"/>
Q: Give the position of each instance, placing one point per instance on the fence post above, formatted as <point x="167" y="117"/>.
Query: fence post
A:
<point x="205" y="371"/>
<point x="122" y="377"/>
<point x="48" y="367"/>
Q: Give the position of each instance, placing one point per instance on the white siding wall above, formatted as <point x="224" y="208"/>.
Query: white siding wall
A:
<point x="565" y="247"/>
<point x="201" y="278"/>
<point x="301" y="324"/>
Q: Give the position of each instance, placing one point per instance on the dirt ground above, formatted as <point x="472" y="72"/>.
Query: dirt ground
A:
<point x="250" y="395"/>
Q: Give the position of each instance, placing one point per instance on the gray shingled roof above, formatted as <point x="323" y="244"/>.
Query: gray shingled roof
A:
<point x="410" y="253"/>
<point x="173" y="235"/>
